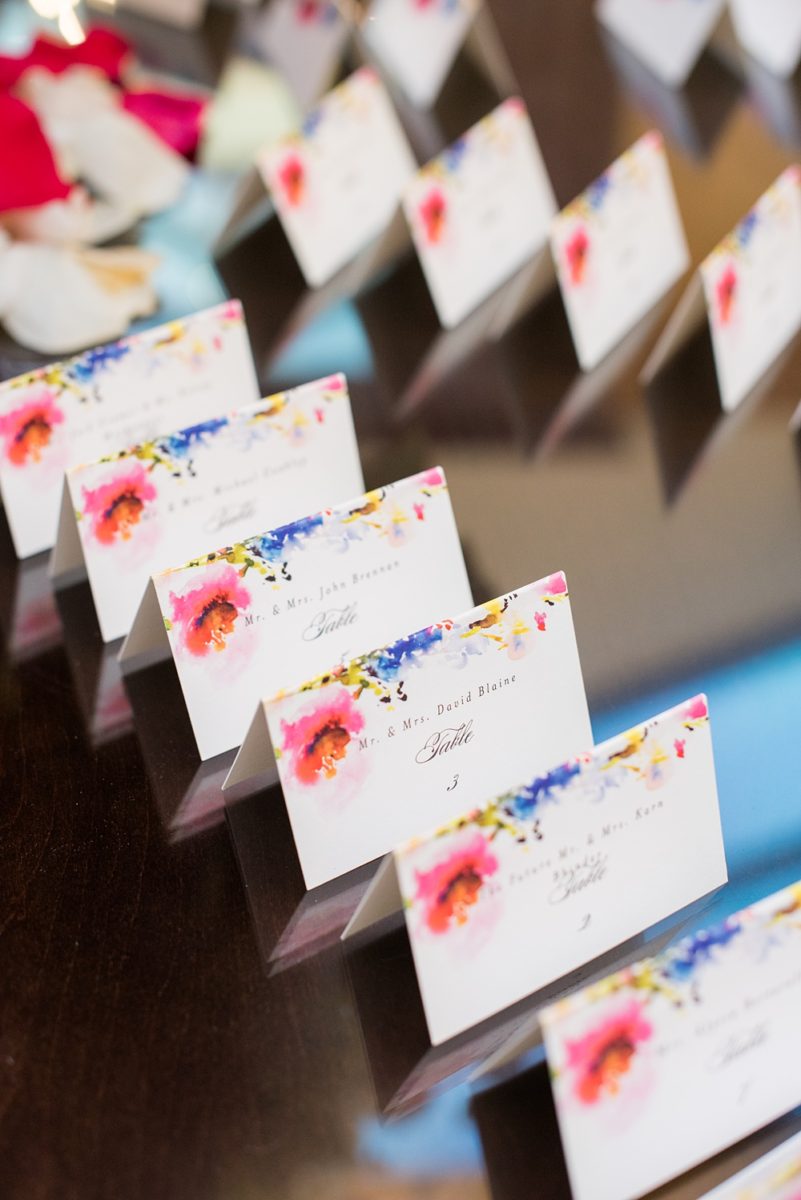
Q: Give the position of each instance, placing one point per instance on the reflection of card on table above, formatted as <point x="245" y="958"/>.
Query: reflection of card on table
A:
<point x="775" y="1176"/>
<point x="304" y="41"/>
<point x="668" y="35"/>
<point x="618" y="248"/>
<point x="709" y="1028"/>
<point x="140" y="511"/>
<point x="747" y="291"/>
<point x="416" y="44"/>
<point x="117" y="395"/>
<point x="515" y="895"/>
<point x="336" y="185"/>
<point x="770" y="30"/>
<point x="408" y="735"/>
<point x="262" y="615"/>
<point x="480" y="210"/>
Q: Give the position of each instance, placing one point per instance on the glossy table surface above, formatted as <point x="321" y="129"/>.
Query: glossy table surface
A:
<point x="166" y="1031"/>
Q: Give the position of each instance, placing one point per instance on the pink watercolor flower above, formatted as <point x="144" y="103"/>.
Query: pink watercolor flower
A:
<point x="433" y="210"/>
<point x="292" y="178"/>
<point x="679" y="745"/>
<point x="577" y="250"/>
<point x="27" y="430"/>
<point x="433" y="478"/>
<point x="725" y="293"/>
<point x="116" y="507"/>
<point x="601" y="1058"/>
<point x="207" y="614"/>
<point x="541" y="621"/>
<point x="232" y="311"/>
<point x="319" y="416"/>
<point x="555" y="586"/>
<point x="449" y="890"/>
<point x="696" y="710"/>
<point x="317" y="742"/>
<point x="419" y="511"/>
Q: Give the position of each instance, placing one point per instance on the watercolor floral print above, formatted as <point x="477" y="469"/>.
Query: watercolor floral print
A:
<point x="318" y="741"/>
<point x="598" y="1067"/>
<point x="206" y="616"/>
<point x="582" y="215"/>
<point x="116" y="508"/>
<point x="433" y="213"/>
<point x="273" y="555"/>
<point x="577" y="249"/>
<point x="727" y="260"/>
<point x="449" y="891"/>
<point x="599" y="1060"/>
<point x="28" y="429"/>
<point x="516" y="816"/>
<point x="726" y="293"/>
<point x="385" y="676"/>
<point x="291" y="177"/>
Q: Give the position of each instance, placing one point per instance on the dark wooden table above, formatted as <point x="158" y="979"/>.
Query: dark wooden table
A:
<point x="151" y="1043"/>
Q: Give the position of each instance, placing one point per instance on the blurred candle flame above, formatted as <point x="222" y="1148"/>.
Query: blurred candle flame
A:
<point x="62" y="11"/>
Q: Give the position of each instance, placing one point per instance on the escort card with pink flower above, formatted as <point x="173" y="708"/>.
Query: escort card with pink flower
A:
<point x="774" y="1176"/>
<point x="747" y="292"/>
<point x="509" y="897"/>
<point x="618" y="249"/>
<point x="134" y="513"/>
<point x="480" y="211"/>
<point x="71" y="412"/>
<point x="708" y="1029"/>
<point x="669" y="36"/>
<point x="409" y="735"/>
<point x="337" y="183"/>
<point x="417" y="41"/>
<point x="263" y="615"/>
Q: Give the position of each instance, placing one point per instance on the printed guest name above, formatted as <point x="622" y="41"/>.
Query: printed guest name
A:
<point x="334" y="587"/>
<point x="479" y="693"/>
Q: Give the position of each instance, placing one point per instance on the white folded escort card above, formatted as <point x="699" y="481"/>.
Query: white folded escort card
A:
<point x="667" y="35"/>
<point x="412" y="733"/>
<point x="775" y="1176"/>
<point x="480" y="210"/>
<point x="264" y="614"/>
<point x="305" y="41"/>
<point x="417" y="44"/>
<point x="770" y="30"/>
<point x="508" y="898"/>
<point x="117" y="395"/>
<point x="747" y="291"/>
<point x="618" y="248"/>
<point x="337" y="184"/>
<point x="709" y="1028"/>
<point x="135" y="513"/>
